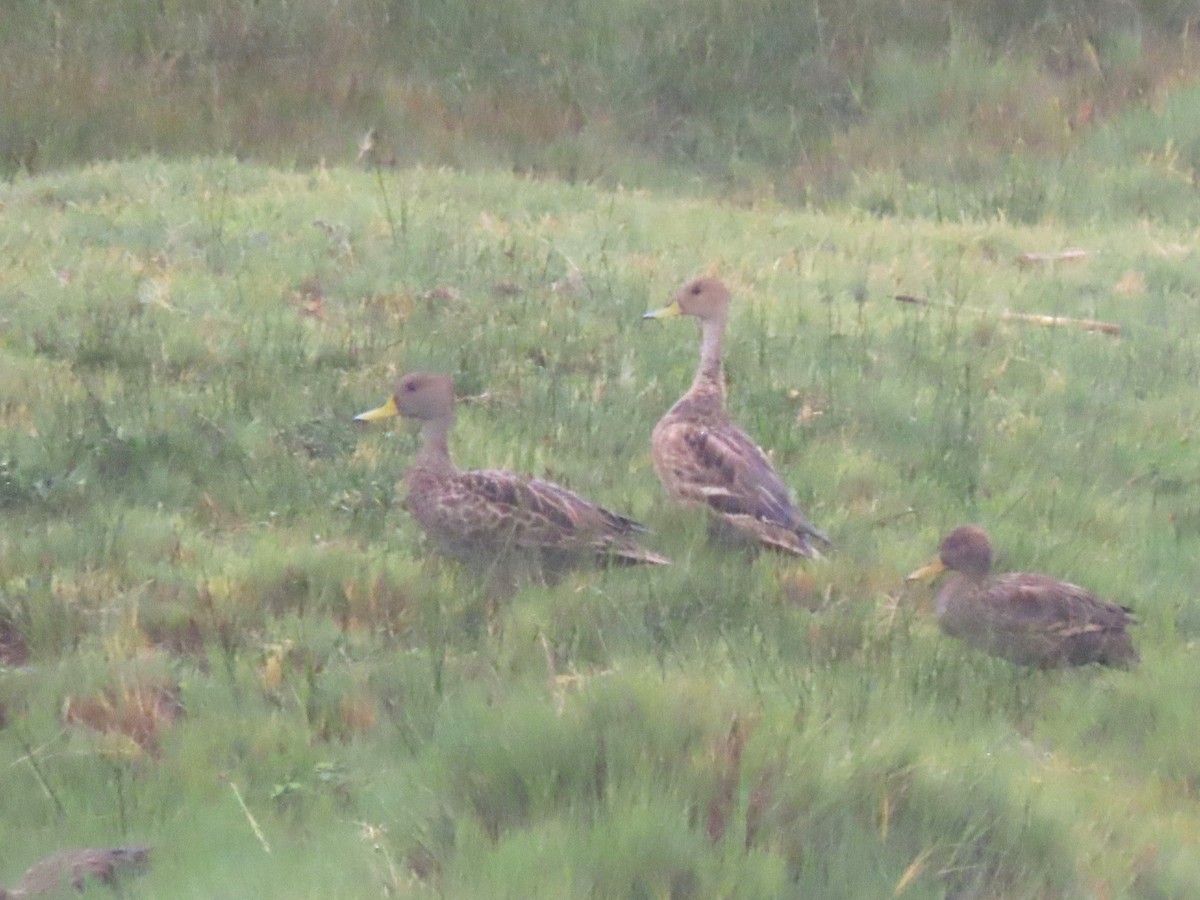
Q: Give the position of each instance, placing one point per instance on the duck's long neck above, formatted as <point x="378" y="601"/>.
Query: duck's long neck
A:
<point x="434" y="455"/>
<point x="710" y="376"/>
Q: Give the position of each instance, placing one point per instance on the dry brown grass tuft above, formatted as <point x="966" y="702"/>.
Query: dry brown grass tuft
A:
<point x="140" y="712"/>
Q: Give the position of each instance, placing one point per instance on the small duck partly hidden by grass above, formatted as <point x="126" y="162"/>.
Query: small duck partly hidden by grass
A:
<point x="483" y="517"/>
<point x="1029" y="619"/>
<point x="69" y="870"/>
<point x="704" y="460"/>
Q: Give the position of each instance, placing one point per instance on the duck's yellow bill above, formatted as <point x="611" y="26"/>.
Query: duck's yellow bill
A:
<point x="925" y="573"/>
<point x="380" y="412"/>
<point x="667" y="312"/>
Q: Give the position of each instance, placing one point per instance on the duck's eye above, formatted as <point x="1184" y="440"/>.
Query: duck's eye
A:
<point x="410" y="386"/>
<point x="695" y="289"/>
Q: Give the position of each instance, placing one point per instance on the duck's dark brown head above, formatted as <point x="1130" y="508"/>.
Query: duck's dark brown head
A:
<point x="967" y="549"/>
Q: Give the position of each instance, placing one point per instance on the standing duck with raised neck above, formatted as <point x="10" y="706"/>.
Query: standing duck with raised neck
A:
<point x="483" y="517"/>
<point x="704" y="460"/>
<point x="1026" y="618"/>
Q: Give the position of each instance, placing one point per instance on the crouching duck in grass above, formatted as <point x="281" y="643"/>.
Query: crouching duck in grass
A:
<point x="1029" y="619"/>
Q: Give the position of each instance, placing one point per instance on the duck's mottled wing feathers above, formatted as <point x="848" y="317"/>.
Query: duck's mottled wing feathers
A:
<point x="485" y="514"/>
<point x="1071" y="624"/>
<point x="509" y="495"/>
<point x="545" y="506"/>
<point x="1042" y="601"/>
<point x="720" y="466"/>
<point x="528" y="513"/>
<point x="583" y="512"/>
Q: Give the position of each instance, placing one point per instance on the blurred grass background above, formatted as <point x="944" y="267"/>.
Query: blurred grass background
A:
<point x="928" y="107"/>
<point x="221" y="634"/>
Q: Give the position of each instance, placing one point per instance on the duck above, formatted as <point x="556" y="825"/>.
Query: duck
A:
<point x="482" y="517"/>
<point x="70" y="870"/>
<point x="1029" y="619"/>
<point x="706" y="461"/>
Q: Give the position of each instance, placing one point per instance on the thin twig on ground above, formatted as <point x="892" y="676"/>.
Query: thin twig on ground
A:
<point x="1109" y="328"/>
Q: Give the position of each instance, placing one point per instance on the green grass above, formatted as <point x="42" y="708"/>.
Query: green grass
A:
<point x="208" y="590"/>
<point x="923" y="107"/>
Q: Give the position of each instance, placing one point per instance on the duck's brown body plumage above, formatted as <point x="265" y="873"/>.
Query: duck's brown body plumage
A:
<point x="1029" y="619"/>
<point x="482" y="517"/>
<point x="69" y="870"/>
<point x="704" y="460"/>
<point x="487" y="512"/>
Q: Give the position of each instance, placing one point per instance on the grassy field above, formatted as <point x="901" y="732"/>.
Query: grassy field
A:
<point x="810" y="103"/>
<point x="219" y="632"/>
